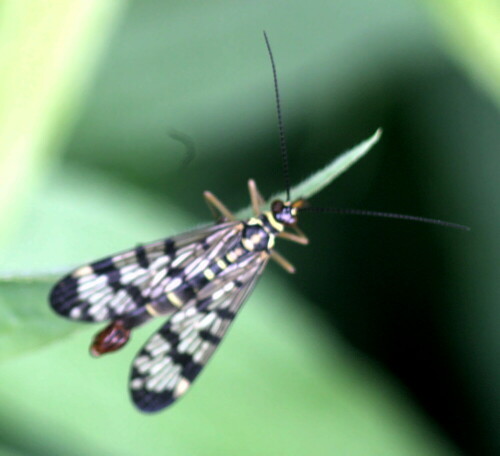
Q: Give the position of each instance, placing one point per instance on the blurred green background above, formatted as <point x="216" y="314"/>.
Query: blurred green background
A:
<point x="385" y="342"/>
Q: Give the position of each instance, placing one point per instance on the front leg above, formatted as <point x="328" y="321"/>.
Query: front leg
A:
<point x="218" y="208"/>
<point x="255" y="197"/>
<point x="299" y="236"/>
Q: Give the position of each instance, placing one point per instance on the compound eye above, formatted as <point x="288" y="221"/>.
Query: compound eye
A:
<point x="277" y="206"/>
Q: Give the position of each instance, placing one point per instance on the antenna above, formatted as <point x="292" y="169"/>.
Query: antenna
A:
<point x="284" y="153"/>
<point x="284" y="158"/>
<point x="363" y="212"/>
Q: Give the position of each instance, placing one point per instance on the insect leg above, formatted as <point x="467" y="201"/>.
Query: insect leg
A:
<point x="217" y="207"/>
<point x="283" y="262"/>
<point x="255" y="197"/>
<point x="299" y="237"/>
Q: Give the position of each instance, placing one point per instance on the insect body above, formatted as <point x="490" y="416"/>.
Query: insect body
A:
<point x="200" y="278"/>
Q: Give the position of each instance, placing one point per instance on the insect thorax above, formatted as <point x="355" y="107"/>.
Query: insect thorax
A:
<point x="260" y="232"/>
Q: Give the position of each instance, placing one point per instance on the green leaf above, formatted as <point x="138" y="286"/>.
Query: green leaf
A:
<point x="472" y="34"/>
<point x="320" y="179"/>
<point x="27" y="325"/>
<point x="324" y="177"/>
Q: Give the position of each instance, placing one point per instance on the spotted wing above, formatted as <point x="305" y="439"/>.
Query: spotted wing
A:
<point x="173" y="357"/>
<point x="122" y="283"/>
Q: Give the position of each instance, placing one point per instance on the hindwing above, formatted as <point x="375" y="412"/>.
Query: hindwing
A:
<point x="174" y="356"/>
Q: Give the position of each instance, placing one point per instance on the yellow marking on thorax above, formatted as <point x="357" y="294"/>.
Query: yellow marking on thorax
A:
<point x="151" y="310"/>
<point x="274" y="223"/>
<point x="255" y="221"/>
<point x="247" y="243"/>
<point x="174" y="299"/>
<point x="209" y="274"/>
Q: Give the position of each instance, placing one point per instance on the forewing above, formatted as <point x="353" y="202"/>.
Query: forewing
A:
<point x="173" y="357"/>
<point x="121" y="283"/>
